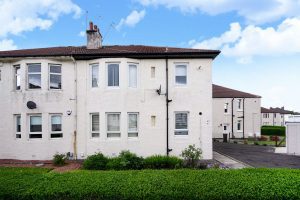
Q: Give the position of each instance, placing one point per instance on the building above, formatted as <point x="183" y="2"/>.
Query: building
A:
<point x="235" y="113"/>
<point x="275" y="116"/>
<point x="94" y="98"/>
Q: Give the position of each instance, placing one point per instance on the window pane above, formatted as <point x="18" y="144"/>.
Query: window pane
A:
<point x="35" y="124"/>
<point x="95" y="75"/>
<point x="132" y="76"/>
<point x="181" y="121"/>
<point x="55" y="69"/>
<point x="56" y="135"/>
<point x="34" y="68"/>
<point x="18" y="121"/>
<point x="113" y="122"/>
<point x="132" y="122"/>
<point x="152" y="72"/>
<point x="133" y="134"/>
<point x="32" y="136"/>
<point x="55" y="81"/>
<point x="113" y="75"/>
<point x="95" y="122"/>
<point x="18" y="78"/>
<point x="181" y="80"/>
<point x="110" y="135"/>
<point x="180" y="74"/>
<point x="56" y="123"/>
<point x="34" y="81"/>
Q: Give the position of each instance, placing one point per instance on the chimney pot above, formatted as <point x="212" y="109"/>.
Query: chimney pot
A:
<point x="91" y="26"/>
<point x="95" y="28"/>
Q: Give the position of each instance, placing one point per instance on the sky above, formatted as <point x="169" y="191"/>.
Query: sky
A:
<point x="259" y="39"/>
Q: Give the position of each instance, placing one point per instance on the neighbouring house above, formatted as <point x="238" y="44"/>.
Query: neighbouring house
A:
<point x="275" y="116"/>
<point x="94" y="98"/>
<point x="235" y="113"/>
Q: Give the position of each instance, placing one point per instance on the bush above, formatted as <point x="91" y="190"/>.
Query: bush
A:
<point x="95" y="162"/>
<point x="263" y="138"/>
<point x="273" y="130"/>
<point x="162" y="162"/>
<point x="191" y="155"/>
<point x="59" y="159"/>
<point x="274" y="138"/>
<point x="256" y="143"/>
<point x="126" y="160"/>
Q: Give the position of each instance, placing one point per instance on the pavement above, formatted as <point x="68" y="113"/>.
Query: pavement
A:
<point x="257" y="156"/>
<point x="229" y="162"/>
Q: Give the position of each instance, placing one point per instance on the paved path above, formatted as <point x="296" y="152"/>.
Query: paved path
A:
<point x="229" y="162"/>
<point x="257" y="156"/>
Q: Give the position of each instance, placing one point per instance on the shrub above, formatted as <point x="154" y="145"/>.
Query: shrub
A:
<point x="162" y="162"/>
<point x="126" y="160"/>
<point x="59" y="159"/>
<point x="95" y="162"/>
<point x="274" y="138"/>
<point x="263" y="138"/>
<point x="256" y="143"/>
<point x="191" y="155"/>
<point x="273" y="130"/>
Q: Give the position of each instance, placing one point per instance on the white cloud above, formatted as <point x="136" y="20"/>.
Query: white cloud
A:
<point x="7" y="45"/>
<point x="132" y="19"/>
<point x="255" y="11"/>
<point x="18" y="16"/>
<point x="82" y="34"/>
<point x="256" y="41"/>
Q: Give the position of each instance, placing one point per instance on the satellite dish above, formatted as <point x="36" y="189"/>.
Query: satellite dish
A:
<point x="159" y="90"/>
<point x="31" y="105"/>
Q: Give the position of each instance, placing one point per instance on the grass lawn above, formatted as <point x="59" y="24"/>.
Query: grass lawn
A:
<point x="22" y="183"/>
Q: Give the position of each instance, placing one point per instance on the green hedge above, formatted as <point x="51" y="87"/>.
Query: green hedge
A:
<point x="273" y="130"/>
<point x="162" y="162"/>
<point x="150" y="184"/>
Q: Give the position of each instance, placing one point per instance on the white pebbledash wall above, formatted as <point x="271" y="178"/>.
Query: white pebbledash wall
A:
<point x="83" y="100"/>
<point x="251" y="118"/>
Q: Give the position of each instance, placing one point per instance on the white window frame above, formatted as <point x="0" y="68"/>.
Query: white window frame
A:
<point x="107" y="77"/>
<point x="239" y="105"/>
<point x="152" y="72"/>
<point x="237" y="126"/>
<point x="16" y="126"/>
<point x="137" y="71"/>
<point x="57" y="74"/>
<point x="226" y="108"/>
<point x="35" y="133"/>
<point x="181" y="130"/>
<point x="91" y="126"/>
<point x="16" y="75"/>
<point x="113" y="132"/>
<point x="56" y="132"/>
<point x="91" y="75"/>
<point x="137" y="122"/>
<point x="186" y="70"/>
<point x="32" y="73"/>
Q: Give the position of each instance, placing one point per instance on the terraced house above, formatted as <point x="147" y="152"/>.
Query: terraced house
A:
<point x="94" y="98"/>
<point x="275" y="116"/>
<point x="235" y="113"/>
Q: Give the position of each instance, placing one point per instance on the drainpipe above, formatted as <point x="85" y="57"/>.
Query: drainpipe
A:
<point x="232" y="135"/>
<point x="167" y="104"/>
<point x="244" y="118"/>
<point x="75" y="112"/>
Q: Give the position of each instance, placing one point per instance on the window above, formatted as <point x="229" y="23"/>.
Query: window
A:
<point x="0" y="74"/>
<point x="275" y="115"/>
<point x="239" y="125"/>
<point x="226" y="108"/>
<point x="56" y="126"/>
<point x="17" y="77"/>
<point x="225" y="127"/>
<point x="132" y="76"/>
<point x="95" y="125"/>
<point x="153" y="121"/>
<point x="18" y="126"/>
<point x="113" y="75"/>
<point x="239" y="104"/>
<point x="113" y="125"/>
<point x="95" y="75"/>
<point x="181" y="123"/>
<point x="35" y="126"/>
<point x="152" y="72"/>
<point x="181" y="72"/>
<point x="133" y="125"/>
<point x="55" y="77"/>
<point x="34" y="76"/>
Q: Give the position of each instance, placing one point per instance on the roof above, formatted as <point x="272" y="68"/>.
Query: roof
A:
<point x="277" y="110"/>
<point x="132" y="51"/>
<point x="224" y="92"/>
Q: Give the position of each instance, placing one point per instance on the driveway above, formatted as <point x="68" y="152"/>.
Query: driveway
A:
<point x="257" y="156"/>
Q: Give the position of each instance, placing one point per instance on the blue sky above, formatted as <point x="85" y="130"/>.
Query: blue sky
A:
<point x="259" y="39"/>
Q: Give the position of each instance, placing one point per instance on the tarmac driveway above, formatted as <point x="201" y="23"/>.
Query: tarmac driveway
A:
<point x="257" y="156"/>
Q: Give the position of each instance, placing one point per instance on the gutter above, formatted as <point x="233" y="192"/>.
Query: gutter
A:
<point x="232" y="135"/>
<point x="167" y="105"/>
<point x="244" y="118"/>
<point x="75" y="113"/>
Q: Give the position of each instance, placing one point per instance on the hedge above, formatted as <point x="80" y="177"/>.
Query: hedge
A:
<point x="150" y="184"/>
<point x="273" y="130"/>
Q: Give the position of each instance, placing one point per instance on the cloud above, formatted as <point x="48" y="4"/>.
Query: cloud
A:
<point x="7" y="45"/>
<point x="256" y="41"/>
<point x="82" y="34"/>
<point x="18" y="16"/>
<point x="132" y="19"/>
<point x="254" y="11"/>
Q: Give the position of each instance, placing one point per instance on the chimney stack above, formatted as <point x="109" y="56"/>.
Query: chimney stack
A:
<point x="94" y="37"/>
